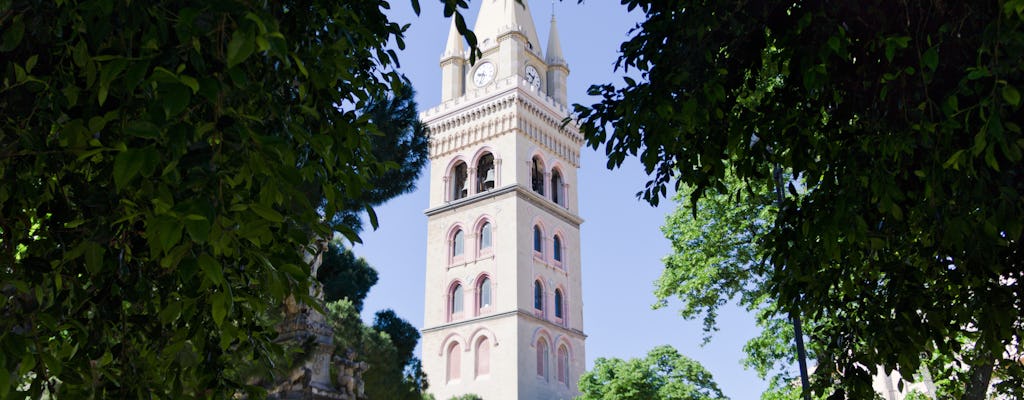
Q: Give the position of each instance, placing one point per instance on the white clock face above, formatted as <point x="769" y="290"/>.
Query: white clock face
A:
<point x="532" y="76"/>
<point x="483" y="74"/>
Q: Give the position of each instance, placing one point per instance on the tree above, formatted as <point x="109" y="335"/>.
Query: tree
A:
<point x="663" y="374"/>
<point x="345" y="276"/>
<point x="394" y="373"/>
<point x="901" y="124"/>
<point x="166" y="167"/>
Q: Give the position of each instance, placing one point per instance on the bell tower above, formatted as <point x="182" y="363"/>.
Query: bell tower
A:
<point x="503" y="313"/>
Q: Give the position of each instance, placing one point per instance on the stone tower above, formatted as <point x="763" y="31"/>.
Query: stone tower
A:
<point x="503" y="309"/>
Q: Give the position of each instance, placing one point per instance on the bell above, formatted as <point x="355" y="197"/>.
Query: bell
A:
<point x="489" y="180"/>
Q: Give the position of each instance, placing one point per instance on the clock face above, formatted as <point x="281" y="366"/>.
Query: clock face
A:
<point x="533" y="77"/>
<point x="483" y="74"/>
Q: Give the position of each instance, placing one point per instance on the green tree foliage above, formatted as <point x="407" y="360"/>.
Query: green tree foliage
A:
<point x="902" y="122"/>
<point x="469" y="396"/>
<point x="394" y="373"/>
<point x="400" y="143"/>
<point x="345" y="276"/>
<point x="165" y="165"/>
<point x="662" y="375"/>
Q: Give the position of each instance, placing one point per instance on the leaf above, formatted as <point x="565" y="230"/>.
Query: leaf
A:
<point x="240" y="47"/>
<point x="1011" y="95"/>
<point x="930" y="59"/>
<point x="126" y="166"/>
<point x="175" y="98"/>
<point x="144" y="129"/>
<point x="93" y="258"/>
<point x="13" y="34"/>
<point x="170" y="313"/>
<point x="219" y="304"/>
<point x="198" y="230"/>
<point x="211" y="268"/>
<point x="266" y="212"/>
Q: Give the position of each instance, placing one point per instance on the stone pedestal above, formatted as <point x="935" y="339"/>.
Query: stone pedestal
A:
<point x="311" y="380"/>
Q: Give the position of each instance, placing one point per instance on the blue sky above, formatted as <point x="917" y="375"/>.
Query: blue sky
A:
<point x="622" y="244"/>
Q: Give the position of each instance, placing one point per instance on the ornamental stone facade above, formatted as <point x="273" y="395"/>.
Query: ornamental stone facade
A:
<point x="503" y="313"/>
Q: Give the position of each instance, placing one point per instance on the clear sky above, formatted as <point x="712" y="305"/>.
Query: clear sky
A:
<point x="622" y="244"/>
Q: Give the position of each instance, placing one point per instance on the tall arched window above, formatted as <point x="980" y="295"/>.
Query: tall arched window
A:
<point x="459" y="180"/>
<point x="485" y="236"/>
<point x="484" y="299"/>
<point x="556" y="252"/>
<point x="455" y="303"/>
<point x="458" y="243"/>
<point x="538" y="295"/>
<point x="483" y="357"/>
<point x="454" y="364"/>
<point x="537" y="175"/>
<point x="538" y="239"/>
<point x="556" y="187"/>
<point x="558" y="303"/>
<point x="542" y="358"/>
<point x="486" y="175"/>
<point x="563" y="364"/>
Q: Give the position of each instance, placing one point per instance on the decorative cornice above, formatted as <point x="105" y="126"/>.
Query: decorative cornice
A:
<point x="529" y="195"/>
<point x="517" y="312"/>
<point x="509" y="105"/>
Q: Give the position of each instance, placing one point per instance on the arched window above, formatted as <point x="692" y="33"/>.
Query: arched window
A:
<point x="484" y="291"/>
<point x="458" y="243"/>
<point x="563" y="364"/>
<point x="558" y="303"/>
<point x="542" y="358"/>
<point x="537" y="175"/>
<point x="485" y="236"/>
<point x="483" y="357"/>
<point x="556" y="252"/>
<point x="538" y="239"/>
<point x="486" y="176"/>
<point x="538" y="295"/>
<point x="455" y="303"/>
<point x="454" y="364"/>
<point x="459" y="178"/>
<point x="556" y="188"/>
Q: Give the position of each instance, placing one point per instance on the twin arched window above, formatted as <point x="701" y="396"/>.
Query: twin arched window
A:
<point x="484" y="292"/>
<point x="455" y="301"/>
<point x="486" y="177"/>
<point x="483" y="357"/>
<point x="557" y="250"/>
<point x="485" y="236"/>
<point x="538" y="295"/>
<point x="459" y="179"/>
<point x="458" y="243"/>
<point x="556" y="188"/>
<point x="558" y="303"/>
<point x="537" y="175"/>
<point x="563" y="364"/>
<point x="454" y="365"/>
<point x="538" y="239"/>
<point x="542" y="358"/>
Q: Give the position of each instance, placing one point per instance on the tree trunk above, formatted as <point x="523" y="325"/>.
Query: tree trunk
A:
<point x="981" y="375"/>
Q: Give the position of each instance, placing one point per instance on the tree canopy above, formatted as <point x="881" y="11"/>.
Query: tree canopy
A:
<point x="167" y="166"/>
<point x="663" y="374"/>
<point x="900" y="125"/>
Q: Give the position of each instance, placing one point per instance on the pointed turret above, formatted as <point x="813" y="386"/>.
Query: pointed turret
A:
<point x="498" y="17"/>
<point x="554" y="45"/>
<point x="453" y="66"/>
<point x="558" y="69"/>
<point x="454" y="47"/>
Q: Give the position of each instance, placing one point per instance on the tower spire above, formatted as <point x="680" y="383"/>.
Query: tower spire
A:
<point x="498" y="17"/>
<point x="554" y="50"/>
<point x="454" y="47"/>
